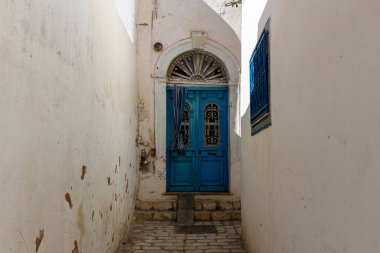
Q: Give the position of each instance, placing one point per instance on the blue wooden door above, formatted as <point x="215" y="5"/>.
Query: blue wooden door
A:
<point x="202" y="165"/>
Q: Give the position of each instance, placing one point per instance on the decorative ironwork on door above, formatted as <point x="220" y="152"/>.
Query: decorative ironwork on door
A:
<point x="197" y="66"/>
<point x="212" y="125"/>
<point x="185" y="127"/>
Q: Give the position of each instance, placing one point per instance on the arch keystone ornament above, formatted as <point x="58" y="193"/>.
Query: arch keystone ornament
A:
<point x="198" y="40"/>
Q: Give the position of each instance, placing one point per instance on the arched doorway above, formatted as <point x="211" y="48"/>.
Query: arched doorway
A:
<point x="158" y="181"/>
<point x="197" y="146"/>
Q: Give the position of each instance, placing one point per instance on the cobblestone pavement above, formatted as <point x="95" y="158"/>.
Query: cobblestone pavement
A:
<point x="160" y="237"/>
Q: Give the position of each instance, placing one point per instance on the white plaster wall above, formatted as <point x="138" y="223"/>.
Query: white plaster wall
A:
<point x="311" y="180"/>
<point x="68" y="98"/>
<point x="171" y="22"/>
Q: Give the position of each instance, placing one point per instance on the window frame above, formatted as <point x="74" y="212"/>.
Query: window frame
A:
<point x="260" y="113"/>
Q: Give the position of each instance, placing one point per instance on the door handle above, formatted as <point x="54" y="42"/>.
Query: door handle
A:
<point x="212" y="152"/>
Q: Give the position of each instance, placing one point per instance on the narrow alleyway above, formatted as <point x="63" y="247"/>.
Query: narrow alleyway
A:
<point x="162" y="237"/>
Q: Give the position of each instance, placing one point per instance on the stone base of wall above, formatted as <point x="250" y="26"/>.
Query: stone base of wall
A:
<point x="206" y="208"/>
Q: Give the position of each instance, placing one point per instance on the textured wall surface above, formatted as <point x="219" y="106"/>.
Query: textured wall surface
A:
<point x="311" y="180"/>
<point x="168" y="22"/>
<point x="68" y="106"/>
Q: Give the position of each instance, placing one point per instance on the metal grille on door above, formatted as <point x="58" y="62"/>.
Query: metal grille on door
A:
<point x="212" y="125"/>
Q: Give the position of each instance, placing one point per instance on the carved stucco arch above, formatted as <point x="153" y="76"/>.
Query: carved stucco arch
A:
<point x="197" y="66"/>
<point x="173" y="51"/>
<point x="233" y="82"/>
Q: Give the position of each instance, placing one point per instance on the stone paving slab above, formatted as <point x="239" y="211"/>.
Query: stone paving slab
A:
<point x="161" y="237"/>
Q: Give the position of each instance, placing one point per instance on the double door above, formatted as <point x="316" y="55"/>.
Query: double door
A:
<point x="201" y="165"/>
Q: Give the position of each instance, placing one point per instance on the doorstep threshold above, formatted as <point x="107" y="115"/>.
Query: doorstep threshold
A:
<point x="198" y="193"/>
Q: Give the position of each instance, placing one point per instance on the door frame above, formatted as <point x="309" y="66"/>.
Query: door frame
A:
<point x="168" y="130"/>
<point x="156" y="182"/>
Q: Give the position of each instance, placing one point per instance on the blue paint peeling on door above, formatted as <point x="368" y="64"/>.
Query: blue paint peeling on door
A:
<point x="202" y="165"/>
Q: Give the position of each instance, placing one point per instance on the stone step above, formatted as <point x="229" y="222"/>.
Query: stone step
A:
<point x="164" y="210"/>
<point x="154" y="215"/>
<point x="202" y="207"/>
<point x="163" y="205"/>
<point x="185" y="211"/>
<point x="216" y="208"/>
<point x="217" y="215"/>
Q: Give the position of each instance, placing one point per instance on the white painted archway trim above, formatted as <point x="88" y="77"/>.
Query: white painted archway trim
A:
<point x="182" y="46"/>
<point x="160" y="80"/>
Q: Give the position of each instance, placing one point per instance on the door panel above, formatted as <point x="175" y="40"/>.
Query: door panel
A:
<point x="181" y="163"/>
<point x="182" y="175"/>
<point x="203" y="164"/>
<point x="214" y="143"/>
<point x="211" y="174"/>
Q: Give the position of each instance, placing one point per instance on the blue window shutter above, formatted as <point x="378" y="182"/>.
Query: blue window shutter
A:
<point x="259" y="84"/>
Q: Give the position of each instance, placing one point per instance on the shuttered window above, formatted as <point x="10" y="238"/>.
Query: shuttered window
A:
<point x="259" y="84"/>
